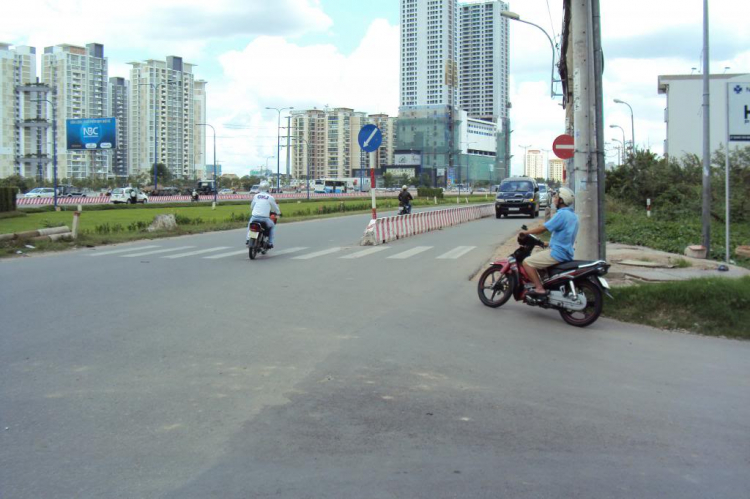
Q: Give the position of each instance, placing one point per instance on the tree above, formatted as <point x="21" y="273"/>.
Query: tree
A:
<point x="163" y="175"/>
<point x="16" y="181"/>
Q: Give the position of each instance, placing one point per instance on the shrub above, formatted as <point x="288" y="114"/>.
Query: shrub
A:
<point x="430" y="192"/>
<point x="8" y="199"/>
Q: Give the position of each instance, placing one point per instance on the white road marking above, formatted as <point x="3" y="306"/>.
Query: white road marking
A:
<point x="114" y="252"/>
<point x="224" y="255"/>
<point x="156" y="252"/>
<point x="286" y="251"/>
<point x="409" y="253"/>
<point x="366" y="252"/>
<point x="456" y="253"/>
<point x="317" y="254"/>
<point x="199" y="252"/>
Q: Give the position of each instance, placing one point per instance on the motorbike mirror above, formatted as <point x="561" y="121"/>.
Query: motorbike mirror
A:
<point x="523" y="227"/>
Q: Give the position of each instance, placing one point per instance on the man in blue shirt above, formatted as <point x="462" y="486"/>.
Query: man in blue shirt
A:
<point x="564" y="228"/>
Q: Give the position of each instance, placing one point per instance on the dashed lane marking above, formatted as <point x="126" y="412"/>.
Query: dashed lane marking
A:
<point x="114" y="252"/>
<point x="156" y="252"/>
<point x="366" y="252"/>
<point x="456" y="253"/>
<point x="199" y="252"/>
<point x="317" y="254"/>
<point x="410" y="253"/>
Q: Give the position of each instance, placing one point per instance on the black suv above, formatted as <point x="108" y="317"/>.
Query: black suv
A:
<point x="516" y="196"/>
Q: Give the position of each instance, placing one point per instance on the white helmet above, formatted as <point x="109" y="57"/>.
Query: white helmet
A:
<point x="264" y="186"/>
<point x="403" y="187"/>
<point x="566" y="195"/>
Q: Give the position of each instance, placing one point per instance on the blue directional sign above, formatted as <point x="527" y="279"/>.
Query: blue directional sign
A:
<point x="370" y="138"/>
<point x="91" y="133"/>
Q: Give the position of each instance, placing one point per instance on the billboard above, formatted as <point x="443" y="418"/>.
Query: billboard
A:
<point x="738" y="107"/>
<point x="91" y="133"/>
<point x="407" y="159"/>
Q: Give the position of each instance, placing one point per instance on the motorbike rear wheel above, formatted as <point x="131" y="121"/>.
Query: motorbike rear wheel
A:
<point x="253" y="249"/>
<point x="494" y="287"/>
<point x="594" y="301"/>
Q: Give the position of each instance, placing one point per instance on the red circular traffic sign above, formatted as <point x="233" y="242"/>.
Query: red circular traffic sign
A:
<point x="564" y="147"/>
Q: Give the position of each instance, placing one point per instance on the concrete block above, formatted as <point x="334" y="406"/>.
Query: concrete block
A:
<point x="696" y="251"/>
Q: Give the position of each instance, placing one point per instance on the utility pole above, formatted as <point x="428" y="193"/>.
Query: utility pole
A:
<point x="584" y="124"/>
<point x="288" y="146"/>
<point x="706" y="211"/>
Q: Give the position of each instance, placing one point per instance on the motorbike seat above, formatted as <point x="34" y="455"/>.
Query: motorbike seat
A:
<point x="565" y="266"/>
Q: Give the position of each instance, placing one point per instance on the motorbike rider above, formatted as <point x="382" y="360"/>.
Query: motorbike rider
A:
<point x="404" y="199"/>
<point x="564" y="228"/>
<point x="194" y="195"/>
<point x="262" y="206"/>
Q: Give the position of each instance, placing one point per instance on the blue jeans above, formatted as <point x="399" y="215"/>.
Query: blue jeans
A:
<point x="268" y="222"/>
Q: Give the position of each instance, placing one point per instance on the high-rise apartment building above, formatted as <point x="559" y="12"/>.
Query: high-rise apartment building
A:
<point x="325" y="142"/>
<point x="118" y="109"/>
<point x="483" y="60"/>
<point x="24" y="128"/>
<point x="162" y="110"/>
<point x="429" y="41"/>
<point x="78" y="79"/>
<point x="556" y="167"/>
<point x="200" y="160"/>
<point x="534" y="164"/>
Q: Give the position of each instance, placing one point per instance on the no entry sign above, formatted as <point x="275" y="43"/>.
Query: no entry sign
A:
<point x="563" y="147"/>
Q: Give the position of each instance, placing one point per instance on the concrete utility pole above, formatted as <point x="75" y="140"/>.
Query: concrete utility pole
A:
<point x="706" y="211"/>
<point x="584" y="123"/>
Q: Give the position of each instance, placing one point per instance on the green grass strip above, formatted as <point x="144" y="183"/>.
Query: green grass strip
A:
<point x="711" y="306"/>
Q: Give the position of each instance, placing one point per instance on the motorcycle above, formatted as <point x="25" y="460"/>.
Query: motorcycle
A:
<point x="576" y="288"/>
<point x="405" y="209"/>
<point x="258" y="241"/>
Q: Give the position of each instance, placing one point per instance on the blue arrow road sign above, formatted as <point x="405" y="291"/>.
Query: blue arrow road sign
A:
<point x="370" y="138"/>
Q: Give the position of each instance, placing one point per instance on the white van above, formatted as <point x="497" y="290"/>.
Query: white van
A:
<point x="122" y="195"/>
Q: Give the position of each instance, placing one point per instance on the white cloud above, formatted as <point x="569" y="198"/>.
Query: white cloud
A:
<point x="271" y="71"/>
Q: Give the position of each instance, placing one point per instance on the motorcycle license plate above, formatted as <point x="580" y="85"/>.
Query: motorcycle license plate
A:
<point x="254" y="235"/>
<point x="513" y="209"/>
<point x="604" y="282"/>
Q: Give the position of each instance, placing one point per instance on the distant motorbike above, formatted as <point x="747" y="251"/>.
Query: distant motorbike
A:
<point x="404" y="210"/>
<point x="194" y="198"/>
<point x="259" y="233"/>
<point x="575" y="288"/>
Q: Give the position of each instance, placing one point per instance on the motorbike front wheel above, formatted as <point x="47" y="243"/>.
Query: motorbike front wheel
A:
<point x="494" y="287"/>
<point x="587" y="316"/>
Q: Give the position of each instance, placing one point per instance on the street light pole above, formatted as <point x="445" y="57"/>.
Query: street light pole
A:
<point x="216" y="180"/>
<point x="632" y="125"/>
<point x="512" y="15"/>
<point x="525" y="159"/>
<point x="307" y="178"/>
<point x="278" y="144"/>
<point x="623" y="133"/>
<point x="54" y="145"/>
<point x="619" y="150"/>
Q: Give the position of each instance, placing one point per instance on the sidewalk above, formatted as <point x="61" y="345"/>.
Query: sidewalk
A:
<point x="632" y="264"/>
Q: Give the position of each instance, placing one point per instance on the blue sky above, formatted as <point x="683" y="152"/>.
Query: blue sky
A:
<point x="344" y="53"/>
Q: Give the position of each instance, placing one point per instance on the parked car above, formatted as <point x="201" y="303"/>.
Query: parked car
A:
<point x="227" y="191"/>
<point x="122" y="195"/>
<point x="255" y="189"/>
<point x="40" y="192"/>
<point x="517" y="195"/>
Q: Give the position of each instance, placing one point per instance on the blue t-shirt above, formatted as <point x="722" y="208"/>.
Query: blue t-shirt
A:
<point x="564" y="228"/>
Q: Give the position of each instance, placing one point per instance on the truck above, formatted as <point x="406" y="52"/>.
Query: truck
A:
<point x="205" y="187"/>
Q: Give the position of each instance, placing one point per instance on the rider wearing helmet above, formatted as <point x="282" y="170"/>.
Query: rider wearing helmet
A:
<point x="564" y="228"/>
<point x="404" y="197"/>
<point x="262" y="206"/>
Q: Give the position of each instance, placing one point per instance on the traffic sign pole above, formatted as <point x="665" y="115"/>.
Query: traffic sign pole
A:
<point x="372" y="186"/>
<point x="370" y="137"/>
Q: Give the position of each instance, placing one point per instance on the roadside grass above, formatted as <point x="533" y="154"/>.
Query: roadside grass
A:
<point x="667" y="233"/>
<point x="128" y="223"/>
<point x="710" y="306"/>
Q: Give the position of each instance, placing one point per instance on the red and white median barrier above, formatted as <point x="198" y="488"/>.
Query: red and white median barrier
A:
<point x="385" y="229"/>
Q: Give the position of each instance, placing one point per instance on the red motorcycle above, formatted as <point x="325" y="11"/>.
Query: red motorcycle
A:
<point x="576" y="288"/>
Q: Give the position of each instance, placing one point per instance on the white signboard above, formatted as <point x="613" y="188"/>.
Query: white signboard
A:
<point x="407" y="159"/>
<point x="738" y="95"/>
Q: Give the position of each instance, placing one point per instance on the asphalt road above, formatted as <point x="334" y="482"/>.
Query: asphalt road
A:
<point x="176" y="369"/>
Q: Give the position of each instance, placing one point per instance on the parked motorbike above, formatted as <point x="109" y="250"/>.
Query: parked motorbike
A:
<point x="259" y="233"/>
<point x="405" y="209"/>
<point x="576" y="288"/>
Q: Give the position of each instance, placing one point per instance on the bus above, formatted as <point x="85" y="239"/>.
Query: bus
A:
<point x="341" y="185"/>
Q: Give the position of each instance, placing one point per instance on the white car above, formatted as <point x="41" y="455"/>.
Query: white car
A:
<point x="40" y="192"/>
<point x="123" y="195"/>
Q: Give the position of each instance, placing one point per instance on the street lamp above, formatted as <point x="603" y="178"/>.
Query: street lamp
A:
<point x="623" y="133"/>
<point x="155" y="88"/>
<point x="267" y="158"/>
<point x="216" y="180"/>
<point x="632" y="125"/>
<point x="619" y="149"/>
<point x="278" y="145"/>
<point x="512" y="15"/>
<point x="54" y="143"/>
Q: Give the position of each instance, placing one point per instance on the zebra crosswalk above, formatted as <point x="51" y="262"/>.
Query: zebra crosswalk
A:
<point x="293" y="253"/>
